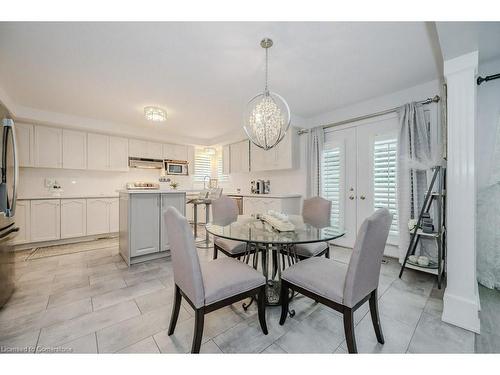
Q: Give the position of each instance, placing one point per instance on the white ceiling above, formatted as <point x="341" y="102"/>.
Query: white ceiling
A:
<point x="204" y="73"/>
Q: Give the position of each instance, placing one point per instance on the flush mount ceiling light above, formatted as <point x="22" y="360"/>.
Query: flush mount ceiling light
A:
<point x="267" y="116"/>
<point x="155" y="114"/>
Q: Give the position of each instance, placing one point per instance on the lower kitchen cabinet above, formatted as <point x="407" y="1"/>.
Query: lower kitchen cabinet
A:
<point x="168" y="200"/>
<point x="73" y="218"/>
<point x="143" y="233"/>
<point x="23" y="209"/>
<point x="144" y="224"/>
<point x="102" y="216"/>
<point x="114" y="213"/>
<point x="45" y="220"/>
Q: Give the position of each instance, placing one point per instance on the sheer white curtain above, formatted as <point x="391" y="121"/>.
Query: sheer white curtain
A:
<point x="315" y="141"/>
<point x="488" y="225"/>
<point x="415" y="158"/>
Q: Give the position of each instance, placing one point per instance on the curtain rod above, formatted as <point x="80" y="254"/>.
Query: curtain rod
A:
<point x="435" y="99"/>
<point x="487" y="78"/>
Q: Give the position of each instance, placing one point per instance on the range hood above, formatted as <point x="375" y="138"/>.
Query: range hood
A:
<point x="145" y="163"/>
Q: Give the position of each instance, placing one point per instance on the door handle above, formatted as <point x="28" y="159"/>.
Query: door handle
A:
<point x="362" y="197"/>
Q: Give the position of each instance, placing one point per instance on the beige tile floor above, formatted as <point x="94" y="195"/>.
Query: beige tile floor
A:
<point x="91" y="302"/>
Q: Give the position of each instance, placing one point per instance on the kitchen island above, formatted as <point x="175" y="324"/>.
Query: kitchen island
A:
<point x="143" y="234"/>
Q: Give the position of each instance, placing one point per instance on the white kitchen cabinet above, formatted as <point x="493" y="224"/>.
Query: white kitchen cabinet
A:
<point x="97" y="151"/>
<point x="118" y="154"/>
<point x="25" y="138"/>
<point x="144" y="149"/>
<point x="48" y="147"/>
<point x="102" y="215"/>
<point x="175" y="152"/>
<point x="97" y="216"/>
<point x="107" y="153"/>
<point x="169" y="200"/>
<point x="137" y="148"/>
<point x="73" y="218"/>
<point x="144" y="222"/>
<point x="74" y="149"/>
<point x="259" y="205"/>
<point x="285" y="155"/>
<point x="23" y="222"/>
<point x="239" y="157"/>
<point x="114" y="214"/>
<point x="45" y="220"/>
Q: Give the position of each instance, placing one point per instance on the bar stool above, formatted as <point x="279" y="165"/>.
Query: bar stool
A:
<point x="200" y="199"/>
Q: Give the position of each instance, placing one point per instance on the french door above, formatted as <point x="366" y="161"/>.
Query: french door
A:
<point x="359" y="174"/>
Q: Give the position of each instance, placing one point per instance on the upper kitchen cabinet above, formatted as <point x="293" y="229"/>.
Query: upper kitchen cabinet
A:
<point x="239" y="157"/>
<point x="74" y="146"/>
<point x="97" y="151"/>
<point x="144" y="149"/>
<point x="175" y="152"/>
<point x="285" y="155"/>
<point x="48" y="147"/>
<point x="118" y="154"/>
<point x="107" y="153"/>
<point x="25" y="138"/>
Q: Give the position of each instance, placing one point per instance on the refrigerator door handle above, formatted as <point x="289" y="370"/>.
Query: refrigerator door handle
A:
<point x="9" y="123"/>
<point x="10" y="231"/>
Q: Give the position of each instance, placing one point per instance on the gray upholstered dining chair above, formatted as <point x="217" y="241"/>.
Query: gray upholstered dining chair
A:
<point x="344" y="287"/>
<point x="209" y="286"/>
<point x="225" y="212"/>
<point x="315" y="211"/>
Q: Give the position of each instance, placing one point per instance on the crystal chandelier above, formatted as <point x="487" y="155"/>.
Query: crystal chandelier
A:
<point x="267" y="116"/>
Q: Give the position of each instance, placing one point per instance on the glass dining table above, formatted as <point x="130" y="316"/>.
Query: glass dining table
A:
<point x="275" y="248"/>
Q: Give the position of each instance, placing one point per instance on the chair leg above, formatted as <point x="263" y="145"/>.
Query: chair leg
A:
<point x="261" y="302"/>
<point x="175" y="310"/>
<point x="375" y="317"/>
<point x="327" y="254"/>
<point x="349" y="330"/>
<point x="284" y="303"/>
<point x="215" y="251"/>
<point x="199" y="321"/>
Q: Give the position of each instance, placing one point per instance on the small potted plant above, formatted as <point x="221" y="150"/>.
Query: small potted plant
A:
<point x="174" y="184"/>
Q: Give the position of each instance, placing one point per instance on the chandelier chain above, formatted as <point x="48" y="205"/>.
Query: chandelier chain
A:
<point x="267" y="69"/>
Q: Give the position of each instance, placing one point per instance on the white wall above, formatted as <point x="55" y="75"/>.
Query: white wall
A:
<point x="488" y="97"/>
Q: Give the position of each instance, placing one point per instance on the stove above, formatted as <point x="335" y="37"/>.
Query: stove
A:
<point x="139" y="185"/>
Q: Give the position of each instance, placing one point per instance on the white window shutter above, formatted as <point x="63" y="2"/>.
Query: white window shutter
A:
<point x="385" y="178"/>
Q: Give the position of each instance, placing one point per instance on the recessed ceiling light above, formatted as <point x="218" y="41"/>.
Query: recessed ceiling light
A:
<point x="156" y="114"/>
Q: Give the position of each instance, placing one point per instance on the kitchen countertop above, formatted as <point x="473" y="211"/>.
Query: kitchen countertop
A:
<point x="151" y="191"/>
<point x="69" y="196"/>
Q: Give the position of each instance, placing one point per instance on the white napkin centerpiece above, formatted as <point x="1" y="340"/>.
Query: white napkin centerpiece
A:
<point x="278" y="221"/>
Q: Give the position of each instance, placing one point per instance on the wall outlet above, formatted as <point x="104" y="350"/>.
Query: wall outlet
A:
<point x="49" y="182"/>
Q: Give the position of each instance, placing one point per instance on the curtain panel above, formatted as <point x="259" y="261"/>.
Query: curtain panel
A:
<point x="415" y="159"/>
<point x="315" y="141"/>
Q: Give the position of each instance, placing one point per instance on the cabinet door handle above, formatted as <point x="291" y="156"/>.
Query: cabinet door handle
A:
<point x="362" y="197"/>
<point x="351" y="197"/>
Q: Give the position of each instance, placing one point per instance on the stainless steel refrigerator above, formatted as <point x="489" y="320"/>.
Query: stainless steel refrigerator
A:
<point x="9" y="177"/>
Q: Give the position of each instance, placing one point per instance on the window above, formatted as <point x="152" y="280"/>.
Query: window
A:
<point x="202" y="165"/>
<point x="385" y="178"/>
<point x="220" y="176"/>
<point x="332" y="188"/>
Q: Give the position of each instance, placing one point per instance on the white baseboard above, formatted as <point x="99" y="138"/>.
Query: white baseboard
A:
<point x="461" y="312"/>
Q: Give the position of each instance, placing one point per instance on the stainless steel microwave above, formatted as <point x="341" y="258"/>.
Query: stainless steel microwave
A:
<point x="176" y="167"/>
